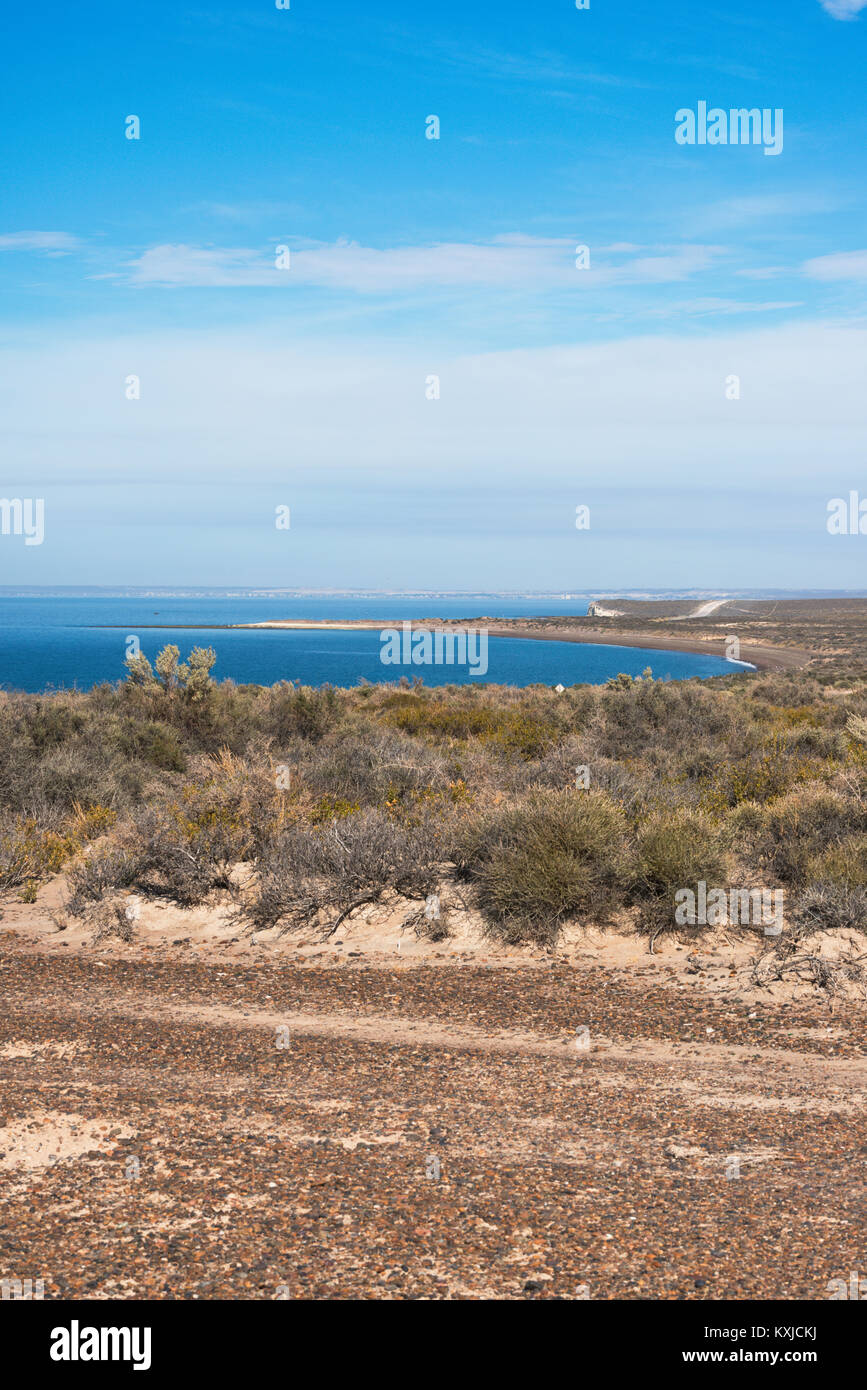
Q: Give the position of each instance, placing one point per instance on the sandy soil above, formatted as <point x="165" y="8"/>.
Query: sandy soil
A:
<point x="192" y="1114"/>
<point x="714" y="962"/>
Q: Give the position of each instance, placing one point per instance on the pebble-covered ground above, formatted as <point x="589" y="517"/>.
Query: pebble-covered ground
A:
<point x="173" y="1129"/>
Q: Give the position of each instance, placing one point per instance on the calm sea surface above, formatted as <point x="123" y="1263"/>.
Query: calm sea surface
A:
<point x="50" y="643"/>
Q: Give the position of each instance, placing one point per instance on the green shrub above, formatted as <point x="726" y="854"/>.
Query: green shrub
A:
<point x="537" y="864"/>
<point x="675" y="850"/>
<point x="789" y="834"/>
<point x="50" y="724"/>
<point x="155" y="743"/>
<point x="843" y="865"/>
<point x="645" y="714"/>
<point x="519" y="729"/>
<point x="299" y="711"/>
<point x="372" y="768"/>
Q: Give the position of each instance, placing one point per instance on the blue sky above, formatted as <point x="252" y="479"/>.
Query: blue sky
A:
<point x="410" y="257"/>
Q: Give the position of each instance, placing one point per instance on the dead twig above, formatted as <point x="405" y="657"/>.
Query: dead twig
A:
<point x="365" y="898"/>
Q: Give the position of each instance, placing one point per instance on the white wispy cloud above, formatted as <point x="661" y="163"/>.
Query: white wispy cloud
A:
<point x="507" y="261"/>
<point x="542" y="67"/>
<point x="841" y="265"/>
<point x="844" y="9"/>
<point x="251" y="211"/>
<point x="51" y="243"/>
<point x="712" y="304"/>
<point x="761" y="207"/>
<point x="764" y="272"/>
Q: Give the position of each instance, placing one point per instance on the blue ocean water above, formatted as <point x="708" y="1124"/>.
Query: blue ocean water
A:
<point x="60" y="642"/>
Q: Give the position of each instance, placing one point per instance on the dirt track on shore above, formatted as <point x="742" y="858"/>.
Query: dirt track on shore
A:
<point x="430" y="1131"/>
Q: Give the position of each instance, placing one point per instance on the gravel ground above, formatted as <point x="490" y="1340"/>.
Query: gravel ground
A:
<point x="207" y="1130"/>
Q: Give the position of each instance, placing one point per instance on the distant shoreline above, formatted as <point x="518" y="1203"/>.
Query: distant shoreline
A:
<point x="762" y="657"/>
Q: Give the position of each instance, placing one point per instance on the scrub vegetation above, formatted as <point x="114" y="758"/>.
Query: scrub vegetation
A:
<point x="538" y="807"/>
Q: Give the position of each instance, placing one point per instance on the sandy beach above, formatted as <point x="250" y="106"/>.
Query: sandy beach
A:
<point x="762" y="656"/>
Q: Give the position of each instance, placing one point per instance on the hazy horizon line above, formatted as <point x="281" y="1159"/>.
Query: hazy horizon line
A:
<point x="170" y="590"/>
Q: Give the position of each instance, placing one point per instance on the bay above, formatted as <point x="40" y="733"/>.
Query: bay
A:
<point x="62" y="641"/>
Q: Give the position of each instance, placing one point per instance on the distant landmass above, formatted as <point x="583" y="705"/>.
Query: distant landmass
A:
<point x="206" y="591"/>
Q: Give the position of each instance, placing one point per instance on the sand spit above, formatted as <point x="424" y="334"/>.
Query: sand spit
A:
<point x="763" y="656"/>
